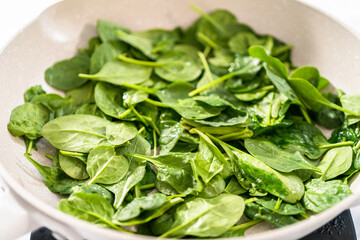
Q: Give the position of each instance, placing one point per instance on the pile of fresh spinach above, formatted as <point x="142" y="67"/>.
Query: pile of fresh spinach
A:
<point x="182" y="132"/>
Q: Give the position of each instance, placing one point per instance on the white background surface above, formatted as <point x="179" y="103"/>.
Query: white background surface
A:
<point x="16" y="14"/>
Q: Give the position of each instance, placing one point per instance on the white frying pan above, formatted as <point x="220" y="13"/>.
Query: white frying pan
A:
<point x="318" y="40"/>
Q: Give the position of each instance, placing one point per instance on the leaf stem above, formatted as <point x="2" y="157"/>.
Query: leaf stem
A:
<point x="49" y="156"/>
<point x="337" y="107"/>
<point x="278" y="203"/>
<point x="141" y="130"/>
<point x="138" y="87"/>
<point x="304" y="215"/>
<point x="153" y="125"/>
<point x="123" y="58"/>
<point x="156" y="103"/>
<point x="147" y="186"/>
<point x="246" y="225"/>
<point x="72" y="153"/>
<point x="139" y="116"/>
<point x="30" y="146"/>
<point x="207" y="50"/>
<point x="137" y="191"/>
<point x="305" y="114"/>
<point x="236" y="135"/>
<point x="207" y="40"/>
<point x="205" y="65"/>
<point x="334" y="145"/>
<point x="175" y="196"/>
<point x="250" y="200"/>
<point x="155" y="142"/>
<point x="208" y="18"/>
<point x="206" y="86"/>
<point x="125" y="113"/>
<point x="357" y="146"/>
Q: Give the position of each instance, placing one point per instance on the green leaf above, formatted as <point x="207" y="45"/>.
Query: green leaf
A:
<point x="139" y="205"/>
<point x="103" y="166"/>
<point x="82" y="133"/>
<point x="300" y="136"/>
<point x="308" y="73"/>
<point x="55" y="178"/>
<point x="176" y="169"/>
<point x="283" y="209"/>
<point x="255" y="211"/>
<point x="73" y="167"/>
<point x="144" y="45"/>
<point x="351" y="102"/>
<point x="82" y="95"/>
<point x="118" y="73"/>
<point x="136" y="170"/>
<point x="284" y="185"/>
<point x="32" y="92"/>
<point x="57" y="105"/>
<point x="149" y="215"/>
<point x="320" y="195"/>
<point x="313" y="98"/>
<point x="107" y="30"/>
<point x="93" y="188"/>
<point x="335" y="162"/>
<point x="63" y="75"/>
<point x="179" y="65"/>
<point x="89" y="207"/>
<point x="28" y="120"/>
<point x="243" y="40"/>
<point x="277" y="158"/>
<point x="214" y="187"/>
<point x="109" y="99"/>
<point x="200" y="217"/>
<point x="234" y="187"/>
<point x="170" y="133"/>
<point x="105" y="52"/>
<point x="208" y="161"/>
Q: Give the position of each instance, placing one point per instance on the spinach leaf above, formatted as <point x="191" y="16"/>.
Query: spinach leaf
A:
<point x="144" y="45"/>
<point x="32" y="92"/>
<point x="243" y="40"/>
<point x="136" y="170"/>
<point x="179" y="65"/>
<point x="105" y="52"/>
<point x="284" y="185"/>
<point x="27" y="120"/>
<point x="82" y="133"/>
<point x="308" y="73"/>
<point x="119" y="73"/>
<point x="73" y="167"/>
<point x="93" y="188"/>
<point x="91" y="109"/>
<point x="234" y="187"/>
<point x="335" y="162"/>
<point x="199" y="217"/>
<point x="283" y="209"/>
<point x="109" y="99"/>
<point x="82" y="95"/>
<point x="284" y="161"/>
<point x="149" y="215"/>
<point x="320" y="195"/>
<point x="313" y="98"/>
<point x="214" y="187"/>
<point x="89" y="207"/>
<point x="55" y="179"/>
<point x="208" y="161"/>
<point x="176" y="169"/>
<point x="170" y="133"/>
<point x="103" y="166"/>
<point x="138" y="205"/>
<point x="107" y="30"/>
<point x="57" y="105"/>
<point x="351" y="102"/>
<point x="63" y="75"/>
<point x="300" y="136"/>
<point x="255" y="211"/>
